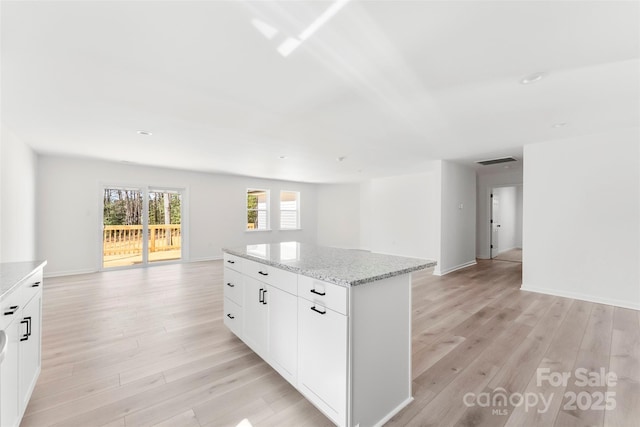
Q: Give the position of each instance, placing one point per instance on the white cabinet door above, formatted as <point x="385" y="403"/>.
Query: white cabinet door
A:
<point x="283" y="332"/>
<point x="9" y="403"/>
<point x="322" y="368"/>
<point x="255" y="332"/>
<point x="29" y="349"/>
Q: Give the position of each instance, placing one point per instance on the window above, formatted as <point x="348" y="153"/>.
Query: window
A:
<point x="289" y="210"/>
<point x="257" y="209"/>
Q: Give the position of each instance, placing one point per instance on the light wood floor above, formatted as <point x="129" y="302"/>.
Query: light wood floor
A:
<point x="514" y="255"/>
<point x="148" y="347"/>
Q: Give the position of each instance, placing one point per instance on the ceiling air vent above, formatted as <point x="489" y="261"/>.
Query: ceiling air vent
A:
<point x="497" y="161"/>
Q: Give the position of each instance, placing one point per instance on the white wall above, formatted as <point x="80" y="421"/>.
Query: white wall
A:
<point x="70" y="203"/>
<point x="339" y="215"/>
<point x="458" y="218"/>
<point x="485" y="182"/>
<point x="18" y="199"/>
<point x="581" y="218"/>
<point x="509" y="236"/>
<point x="402" y="213"/>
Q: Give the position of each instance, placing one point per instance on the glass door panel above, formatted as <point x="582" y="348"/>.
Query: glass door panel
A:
<point x="122" y="237"/>
<point x="165" y="225"/>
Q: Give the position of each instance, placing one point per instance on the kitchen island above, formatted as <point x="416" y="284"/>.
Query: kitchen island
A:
<point x="335" y="323"/>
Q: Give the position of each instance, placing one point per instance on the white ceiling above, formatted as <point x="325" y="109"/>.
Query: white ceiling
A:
<point x="391" y="85"/>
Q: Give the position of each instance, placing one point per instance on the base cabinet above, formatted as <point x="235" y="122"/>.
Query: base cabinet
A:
<point x="21" y="313"/>
<point x="322" y="375"/>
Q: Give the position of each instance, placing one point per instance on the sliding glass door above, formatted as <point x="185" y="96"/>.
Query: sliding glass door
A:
<point x="141" y="226"/>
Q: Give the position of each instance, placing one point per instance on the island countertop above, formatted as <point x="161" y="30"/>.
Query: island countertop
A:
<point x="344" y="267"/>
<point x="12" y="273"/>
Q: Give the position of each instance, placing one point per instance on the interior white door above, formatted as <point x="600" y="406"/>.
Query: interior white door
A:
<point x="495" y="224"/>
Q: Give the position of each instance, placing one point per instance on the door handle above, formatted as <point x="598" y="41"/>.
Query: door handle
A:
<point x="264" y="297"/>
<point x="231" y="285"/>
<point x="231" y="262"/>
<point x="230" y="316"/>
<point x="35" y="285"/>
<point x="261" y="296"/>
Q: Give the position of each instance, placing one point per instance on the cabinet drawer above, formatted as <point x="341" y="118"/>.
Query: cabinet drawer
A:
<point x="233" y="317"/>
<point x="233" y="262"/>
<point x="31" y="286"/>
<point x="233" y="285"/>
<point x="276" y="277"/>
<point x="256" y="270"/>
<point x="11" y="307"/>
<point x="326" y="294"/>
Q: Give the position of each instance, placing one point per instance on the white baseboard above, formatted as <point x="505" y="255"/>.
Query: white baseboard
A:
<point x="215" y="258"/>
<point x="438" y="272"/>
<point x="582" y="297"/>
<point x="67" y="272"/>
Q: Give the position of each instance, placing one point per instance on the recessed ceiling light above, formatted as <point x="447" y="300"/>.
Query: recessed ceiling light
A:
<point x="144" y="132"/>
<point x="341" y="158"/>
<point x="283" y="157"/>
<point x="532" y="78"/>
<point x="559" y="125"/>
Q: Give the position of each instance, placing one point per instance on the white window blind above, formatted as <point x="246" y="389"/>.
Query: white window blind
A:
<point x="289" y="210"/>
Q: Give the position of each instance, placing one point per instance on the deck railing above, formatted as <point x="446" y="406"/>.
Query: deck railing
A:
<point x="127" y="239"/>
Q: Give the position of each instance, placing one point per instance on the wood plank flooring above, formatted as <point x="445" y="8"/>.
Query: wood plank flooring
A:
<point x="147" y="347"/>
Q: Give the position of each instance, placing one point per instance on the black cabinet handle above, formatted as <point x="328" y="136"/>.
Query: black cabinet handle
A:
<point x="231" y="285"/>
<point x="318" y="311"/>
<point x="264" y="297"/>
<point x="12" y="310"/>
<point x="313" y="291"/>
<point x="261" y="296"/>
<point x="230" y="316"/>
<point x="263" y="273"/>
<point x="35" y="285"/>
<point x="231" y="262"/>
<point x="26" y="321"/>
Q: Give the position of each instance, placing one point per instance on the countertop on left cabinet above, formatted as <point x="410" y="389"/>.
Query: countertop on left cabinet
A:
<point x="12" y="273"/>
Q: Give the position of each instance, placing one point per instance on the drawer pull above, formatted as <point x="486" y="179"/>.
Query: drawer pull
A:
<point x="313" y="291"/>
<point x="264" y="297"/>
<point x="12" y="310"/>
<point x="318" y="311"/>
<point x="231" y="262"/>
<point x="261" y="296"/>
<point x="230" y="316"/>
<point x="231" y="285"/>
<point x="263" y="273"/>
<point x="35" y="285"/>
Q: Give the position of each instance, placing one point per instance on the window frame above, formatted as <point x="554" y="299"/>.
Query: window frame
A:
<point x="296" y="210"/>
<point x="266" y="210"/>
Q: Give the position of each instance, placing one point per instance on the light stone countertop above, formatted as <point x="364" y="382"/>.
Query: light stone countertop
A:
<point x="12" y="273"/>
<point x="345" y="267"/>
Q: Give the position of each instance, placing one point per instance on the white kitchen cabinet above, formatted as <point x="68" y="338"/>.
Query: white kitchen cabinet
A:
<point x="21" y="314"/>
<point x="338" y="327"/>
<point x="322" y="369"/>
<point x="283" y="332"/>
<point x="30" y="348"/>
<point x="255" y="330"/>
